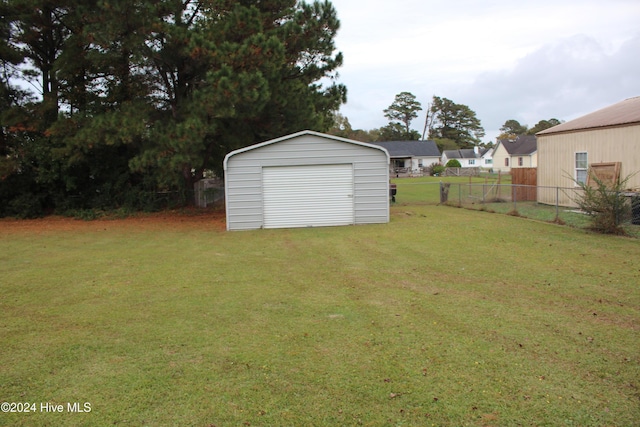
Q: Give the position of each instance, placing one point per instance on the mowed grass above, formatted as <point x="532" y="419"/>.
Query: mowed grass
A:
<point x="443" y="317"/>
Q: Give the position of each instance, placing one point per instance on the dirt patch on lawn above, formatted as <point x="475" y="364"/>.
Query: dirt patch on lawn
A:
<point x="183" y="219"/>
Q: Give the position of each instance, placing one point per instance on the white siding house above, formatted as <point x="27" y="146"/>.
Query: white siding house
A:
<point x="486" y="158"/>
<point x="468" y="157"/>
<point x="306" y="179"/>
<point x="567" y="151"/>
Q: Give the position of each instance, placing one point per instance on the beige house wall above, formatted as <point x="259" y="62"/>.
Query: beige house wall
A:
<point x="498" y="159"/>
<point x="528" y="161"/>
<point x="556" y="166"/>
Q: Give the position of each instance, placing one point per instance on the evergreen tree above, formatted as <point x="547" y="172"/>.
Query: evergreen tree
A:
<point x="147" y="95"/>
<point x="542" y="125"/>
<point x="511" y="129"/>
<point x="456" y="122"/>
<point x="400" y="113"/>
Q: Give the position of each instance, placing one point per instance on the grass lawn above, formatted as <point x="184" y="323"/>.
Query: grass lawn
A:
<point x="444" y="317"/>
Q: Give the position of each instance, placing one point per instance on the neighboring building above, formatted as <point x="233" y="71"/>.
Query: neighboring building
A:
<point x="486" y="158"/>
<point x="567" y="151"/>
<point x="468" y="157"/>
<point x="519" y="153"/>
<point x="410" y="156"/>
<point x="306" y="179"/>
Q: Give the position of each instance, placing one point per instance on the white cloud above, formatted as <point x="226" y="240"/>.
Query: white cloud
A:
<point x="504" y="59"/>
<point x="564" y="80"/>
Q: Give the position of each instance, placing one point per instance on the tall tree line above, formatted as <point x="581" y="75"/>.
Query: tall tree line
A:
<point x="451" y="125"/>
<point x="120" y="99"/>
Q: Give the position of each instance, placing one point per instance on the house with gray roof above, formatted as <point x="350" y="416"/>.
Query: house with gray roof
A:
<point x="410" y="157"/>
<point x="521" y="152"/>
<point x="468" y="157"/>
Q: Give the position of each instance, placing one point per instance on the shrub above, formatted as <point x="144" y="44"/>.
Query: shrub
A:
<point x="453" y="163"/>
<point x="605" y="204"/>
<point x="26" y="206"/>
<point x="437" y="169"/>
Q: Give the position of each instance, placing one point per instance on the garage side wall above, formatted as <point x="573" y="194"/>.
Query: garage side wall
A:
<point x="556" y="158"/>
<point x="244" y="186"/>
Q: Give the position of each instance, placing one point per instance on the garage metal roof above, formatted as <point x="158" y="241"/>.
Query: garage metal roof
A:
<point x="297" y="134"/>
<point x="623" y="113"/>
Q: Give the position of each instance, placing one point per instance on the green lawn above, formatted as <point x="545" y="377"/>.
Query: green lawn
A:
<point x="444" y="317"/>
<point x="426" y="190"/>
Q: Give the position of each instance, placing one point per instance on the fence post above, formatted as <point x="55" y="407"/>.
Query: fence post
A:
<point x="557" y="202"/>
<point x="616" y="209"/>
<point x="515" y="197"/>
<point x="444" y="192"/>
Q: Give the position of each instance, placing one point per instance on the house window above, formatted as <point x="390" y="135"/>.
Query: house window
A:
<point x="488" y="161"/>
<point x="472" y="162"/>
<point x="581" y="168"/>
<point x="420" y="164"/>
<point x="520" y="161"/>
<point x="506" y="161"/>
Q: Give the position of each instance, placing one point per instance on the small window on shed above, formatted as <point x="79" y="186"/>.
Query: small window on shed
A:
<point x="506" y="161"/>
<point x="520" y="161"/>
<point x="581" y="167"/>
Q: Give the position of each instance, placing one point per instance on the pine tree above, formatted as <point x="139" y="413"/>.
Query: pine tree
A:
<point x="146" y="95"/>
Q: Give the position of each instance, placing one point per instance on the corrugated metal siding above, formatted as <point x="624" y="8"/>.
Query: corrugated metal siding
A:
<point x="556" y="156"/>
<point x="243" y="177"/>
<point x="308" y="196"/>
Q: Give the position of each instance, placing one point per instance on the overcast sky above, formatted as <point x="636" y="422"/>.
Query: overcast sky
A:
<point x="526" y="60"/>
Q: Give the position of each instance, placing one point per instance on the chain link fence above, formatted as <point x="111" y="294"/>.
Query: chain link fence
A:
<point x="553" y="204"/>
<point x="533" y="201"/>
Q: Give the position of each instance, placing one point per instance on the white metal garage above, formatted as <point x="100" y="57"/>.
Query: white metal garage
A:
<point x="306" y="179"/>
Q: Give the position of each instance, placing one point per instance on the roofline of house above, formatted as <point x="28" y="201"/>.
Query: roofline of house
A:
<point x="297" y="134"/>
<point x="550" y="131"/>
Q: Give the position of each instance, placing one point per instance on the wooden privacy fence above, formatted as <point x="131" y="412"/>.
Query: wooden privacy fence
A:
<point x="528" y="178"/>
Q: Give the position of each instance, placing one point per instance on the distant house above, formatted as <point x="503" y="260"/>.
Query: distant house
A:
<point x="521" y="152"/>
<point x="486" y="158"/>
<point x="468" y="157"/>
<point x="568" y="151"/>
<point x="410" y="156"/>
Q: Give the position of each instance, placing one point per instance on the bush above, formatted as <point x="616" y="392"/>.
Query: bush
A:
<point x="437" y="169"/>
<point x="453" y="163"/>
<point x="605" y="204"/>
<point x="26" y="206"/>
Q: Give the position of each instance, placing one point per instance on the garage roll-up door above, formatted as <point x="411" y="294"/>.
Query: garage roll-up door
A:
<point x="308" y="196"/>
